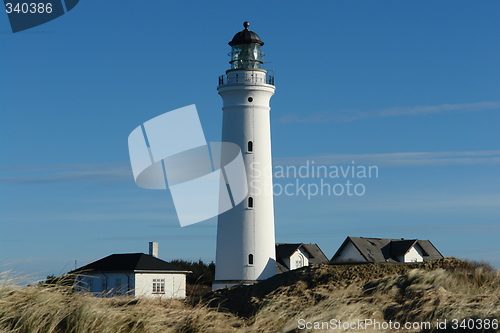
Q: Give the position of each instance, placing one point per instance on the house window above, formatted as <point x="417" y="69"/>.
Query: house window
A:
<point x="250" y="146"/>
<point x="299" y="262"/>
<point x="118" y="286"/>
<point x="103" y="286"/>
<point x="250" y="259"/>
<point x="250" y="202"/>
<point x="158" y="286"/>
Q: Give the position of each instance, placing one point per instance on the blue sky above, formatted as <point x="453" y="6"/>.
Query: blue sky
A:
<point x="412" y="87"/>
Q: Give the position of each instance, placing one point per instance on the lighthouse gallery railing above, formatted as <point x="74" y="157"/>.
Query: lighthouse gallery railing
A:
<point x="235" y="78"/>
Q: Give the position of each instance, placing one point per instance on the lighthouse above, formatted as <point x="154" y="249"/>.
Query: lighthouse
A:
<point x="245" y="234"/>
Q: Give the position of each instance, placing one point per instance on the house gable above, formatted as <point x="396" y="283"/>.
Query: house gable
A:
<point x="414" y="254"/>
<point x="298" y="259"/>
<point x="296" y="255"/>
<point x="349" y="252"/>
<point x="317" y="256"/>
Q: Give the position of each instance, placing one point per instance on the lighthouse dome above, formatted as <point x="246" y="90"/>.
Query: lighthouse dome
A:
<point x="246" y="36"/>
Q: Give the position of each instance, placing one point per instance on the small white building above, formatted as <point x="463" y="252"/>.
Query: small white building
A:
<point x="292" y="256"/>
<point x="134" y="274"/>
<point x="361" y="249"/>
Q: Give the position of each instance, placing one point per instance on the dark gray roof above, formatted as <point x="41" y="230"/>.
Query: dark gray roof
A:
<point x="280" y="268"/>
<point x="128" y="262"/>
<point x="318" y="257"/>
<point x="430" y="251"/>
<point x="246" y="36"/>
<point x="387" y="250"/>
<point x="401" y="247"/>
<point x="285" y="250"/>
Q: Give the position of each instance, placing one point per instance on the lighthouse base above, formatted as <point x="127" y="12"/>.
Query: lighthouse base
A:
<point x="219" y="284"/>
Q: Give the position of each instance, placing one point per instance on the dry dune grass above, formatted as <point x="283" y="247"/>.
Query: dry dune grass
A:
<point x="57" y="309"/>
<point x="420" y="292"/>
<point x="443" y="289"/>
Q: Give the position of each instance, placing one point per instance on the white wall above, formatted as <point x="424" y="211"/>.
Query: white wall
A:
<point x="244" y="230"/>
<point x="175" y="285"/>
<point x="414" y="255"/>
<point x="107" y="283"/>
<point x="350" y="252"/>
<point x="296" y="256"/>
<point x="138" y="284"/>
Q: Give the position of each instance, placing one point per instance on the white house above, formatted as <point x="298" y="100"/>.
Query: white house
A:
<point x="135" y="274"/>
<point x="293" y="256"/>
<point x="361" y="249"/>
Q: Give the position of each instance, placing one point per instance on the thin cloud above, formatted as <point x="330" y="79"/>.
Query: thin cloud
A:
<point x="396" y="159"/>
<point x="105" y="174"/>
<point x="112" y="174"/>
<point x="158" y="237"/>
<point x="78" y="217"/>
<point x="433" y="203"/>
<point x="352" y="115"/>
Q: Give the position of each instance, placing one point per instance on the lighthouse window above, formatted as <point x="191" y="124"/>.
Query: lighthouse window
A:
<point x="250" y="146"/>
<point x="250" y="99"/>
<point x="250" y="202"/>
<point x="250" y="259"/>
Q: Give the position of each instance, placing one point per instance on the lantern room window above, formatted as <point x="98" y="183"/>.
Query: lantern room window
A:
<point x="245" y="56"/>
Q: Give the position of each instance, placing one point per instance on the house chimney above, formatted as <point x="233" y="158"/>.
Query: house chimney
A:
<point x="153" y="249"/>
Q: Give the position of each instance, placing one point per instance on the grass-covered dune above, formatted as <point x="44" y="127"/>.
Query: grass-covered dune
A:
<point x="290" y="302"/>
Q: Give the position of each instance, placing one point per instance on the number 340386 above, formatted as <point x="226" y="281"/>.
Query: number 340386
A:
<point x="25" y="8"/>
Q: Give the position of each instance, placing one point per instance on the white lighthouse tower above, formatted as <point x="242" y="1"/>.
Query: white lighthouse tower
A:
<point x="245" y="233"/>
